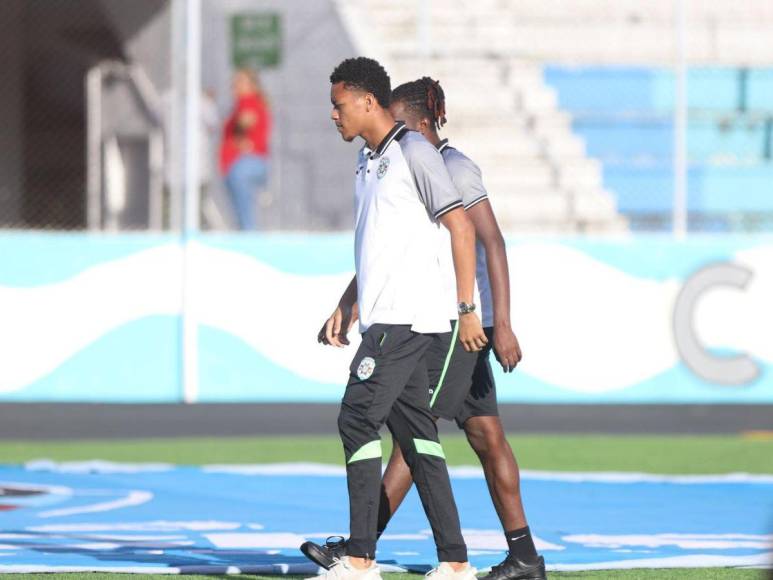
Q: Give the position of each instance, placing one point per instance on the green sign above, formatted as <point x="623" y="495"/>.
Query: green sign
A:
<point x="256" y="40"/>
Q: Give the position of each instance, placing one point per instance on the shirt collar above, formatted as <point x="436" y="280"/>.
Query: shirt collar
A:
<point x="442" y="145"/>
<point x="393" y="134"/>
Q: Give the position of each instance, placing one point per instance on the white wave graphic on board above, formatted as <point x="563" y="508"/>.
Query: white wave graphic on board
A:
<point x="584" y="325"/>
<point x="588" y="327"/>
<point x="44" y="326"/>
<point x="277" y="314"/>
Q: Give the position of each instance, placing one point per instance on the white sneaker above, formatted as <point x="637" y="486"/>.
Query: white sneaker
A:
<point x="445" y="572"/>
<point x="343" y="570"/>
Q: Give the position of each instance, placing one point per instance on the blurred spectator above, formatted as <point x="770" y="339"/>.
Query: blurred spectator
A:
<point x="244" y="149"/>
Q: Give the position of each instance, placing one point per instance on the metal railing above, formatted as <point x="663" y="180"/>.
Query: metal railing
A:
<point x="125" y="149"/>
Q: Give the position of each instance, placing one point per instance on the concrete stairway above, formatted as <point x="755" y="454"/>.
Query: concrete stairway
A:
<point x="500" y="111"/>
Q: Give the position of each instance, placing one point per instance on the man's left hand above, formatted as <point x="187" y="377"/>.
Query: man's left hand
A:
<point x="506" y="348"/>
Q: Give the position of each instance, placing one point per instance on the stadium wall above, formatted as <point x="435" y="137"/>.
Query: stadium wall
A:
<point x="97" y="318"/>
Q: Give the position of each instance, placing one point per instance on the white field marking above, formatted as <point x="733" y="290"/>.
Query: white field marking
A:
<point x="725" y="536"/>
<point x="95" y="466"/>
<point x="691" y="561"/>
<point x="407" y="554"/>
<point x="133" y="538"/>
<point x="328" y="534"/>
<point x="319" y="469"/>
<point x="267" y="569"/>
<point x="475" y="472"/>
<point x="96" y="546"/>
<point x="254" y="540"/>
<point x="683" y="541"/>
<point x="697" y="561"/>
<point x="460" y="472"/>
<point x="8" y="547"/>
<point x="390" y="568"/>
<point x="635" y="477"/>
<point x="152" y="526"/>
<point x="406" y="536"/>
<point x="495" y="540"/>
<point x="256" y="526"/>
<point x="38" y="569"/>
<point x="134" y="498"/>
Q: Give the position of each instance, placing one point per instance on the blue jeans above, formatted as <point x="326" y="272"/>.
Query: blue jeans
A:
<point x="247" y="175"/>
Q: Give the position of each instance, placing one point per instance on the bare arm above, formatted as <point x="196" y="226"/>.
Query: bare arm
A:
<point x="463" y="248"/>
<point x="506" y="346"/>
<point x="338" y="325"/>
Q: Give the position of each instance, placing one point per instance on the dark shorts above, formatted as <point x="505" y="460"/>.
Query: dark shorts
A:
<point x="461" y="383"/>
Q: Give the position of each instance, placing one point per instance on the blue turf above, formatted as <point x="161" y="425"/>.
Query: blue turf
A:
<point x="255" y="522"/>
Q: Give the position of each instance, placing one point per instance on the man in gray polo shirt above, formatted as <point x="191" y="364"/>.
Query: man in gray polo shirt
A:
<point x="403" y="193"/>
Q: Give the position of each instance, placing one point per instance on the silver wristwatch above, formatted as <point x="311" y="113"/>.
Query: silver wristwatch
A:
<point x="465" y="308"/>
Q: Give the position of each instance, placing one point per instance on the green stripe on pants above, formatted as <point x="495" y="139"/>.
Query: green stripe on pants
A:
<point x="368" y="451"/>
<point x="429" y="448"/>
<point x="445" y="364"/>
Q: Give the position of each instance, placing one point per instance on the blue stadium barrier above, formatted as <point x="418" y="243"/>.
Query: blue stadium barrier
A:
<point x="624" y="114"/>
<point x="97" y="318"/>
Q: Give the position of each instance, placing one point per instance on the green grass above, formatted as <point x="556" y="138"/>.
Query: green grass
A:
<point x="652" y="454"/>
<point x="666" y="574"/>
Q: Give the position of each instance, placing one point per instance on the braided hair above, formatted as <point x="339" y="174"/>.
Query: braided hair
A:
<point x="425" y="98"/>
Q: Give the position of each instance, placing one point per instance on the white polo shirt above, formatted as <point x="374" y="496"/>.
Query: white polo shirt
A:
<point x="401" y="189"/>
<point x="467" y="178"/>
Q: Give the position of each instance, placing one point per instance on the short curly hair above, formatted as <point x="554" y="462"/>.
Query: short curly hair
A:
<point x="366" y="75"/>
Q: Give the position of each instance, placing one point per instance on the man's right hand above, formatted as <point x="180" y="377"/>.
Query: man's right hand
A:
<point x="471" y="332"/>
<point x="335" y="329"/>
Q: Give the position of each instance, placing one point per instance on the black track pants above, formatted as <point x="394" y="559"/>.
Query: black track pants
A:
<point x="388" y="378"/>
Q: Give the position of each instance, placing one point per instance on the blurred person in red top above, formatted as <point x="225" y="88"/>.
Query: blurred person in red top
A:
<point x="244" y="150"/>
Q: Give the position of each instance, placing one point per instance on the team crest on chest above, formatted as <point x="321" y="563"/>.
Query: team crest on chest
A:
<point x="366" y="368"/>
<point x="383" y="165"/>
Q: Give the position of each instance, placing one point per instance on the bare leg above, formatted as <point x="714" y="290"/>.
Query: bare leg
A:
<point x="487" y="438"/>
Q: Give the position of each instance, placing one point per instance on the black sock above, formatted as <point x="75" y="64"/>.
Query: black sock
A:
<point x="521" y="545"/>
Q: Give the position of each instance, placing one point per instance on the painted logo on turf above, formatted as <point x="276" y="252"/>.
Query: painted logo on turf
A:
<point x="366" y="368"/>
<point x="382" y="167"/>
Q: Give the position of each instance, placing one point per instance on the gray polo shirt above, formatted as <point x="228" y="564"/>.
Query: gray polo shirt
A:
<point x="468" y="180"/>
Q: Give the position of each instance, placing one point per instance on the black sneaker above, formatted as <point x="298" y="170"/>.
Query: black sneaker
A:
<point x="325" y="556"/>
<point x="513" y="569"/>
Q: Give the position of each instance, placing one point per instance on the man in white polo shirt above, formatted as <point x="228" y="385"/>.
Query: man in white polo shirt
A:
<point x="403" y="193"/>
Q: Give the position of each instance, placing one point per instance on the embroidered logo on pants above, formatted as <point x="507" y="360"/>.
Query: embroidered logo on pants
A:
<point x="366" y="368"/>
